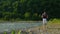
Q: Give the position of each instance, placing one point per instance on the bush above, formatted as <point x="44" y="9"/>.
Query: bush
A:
<point x="54" y="21"/>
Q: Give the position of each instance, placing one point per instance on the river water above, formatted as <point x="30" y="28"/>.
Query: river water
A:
<point x="8" y="26"/>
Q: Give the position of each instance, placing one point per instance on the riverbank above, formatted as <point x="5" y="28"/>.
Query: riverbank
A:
<point x="53" y="27"/>
<point x="3" y="21"/>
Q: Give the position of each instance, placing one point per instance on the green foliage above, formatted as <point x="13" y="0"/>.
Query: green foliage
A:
<point x="27" y="14"/>
<point x="13" y="32"/>
<point x="54" y="21"/>
<point x="28" y="9"/>
<point x="5" y="32"/>
<point x="19" y="32"/>
<point x="22" y="1"/>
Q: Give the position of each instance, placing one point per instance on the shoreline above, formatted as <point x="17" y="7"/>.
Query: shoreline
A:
<point x="21" y="21"/>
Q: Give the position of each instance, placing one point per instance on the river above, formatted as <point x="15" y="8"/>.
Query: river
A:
<point x="8" y="26"/>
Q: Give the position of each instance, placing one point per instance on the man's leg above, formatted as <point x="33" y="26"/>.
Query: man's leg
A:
<point x="44" y="25"/>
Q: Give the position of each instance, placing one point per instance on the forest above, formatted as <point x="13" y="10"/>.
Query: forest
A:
<point x="27" y="10"/>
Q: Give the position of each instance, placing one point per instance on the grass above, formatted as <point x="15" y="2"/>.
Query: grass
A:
<point x="54" y="21"/>
<point x="54" y="26"/>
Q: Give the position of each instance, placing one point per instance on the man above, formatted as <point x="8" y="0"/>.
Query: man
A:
<point x="44" y="18"/>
